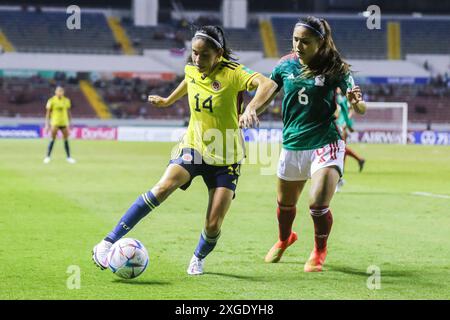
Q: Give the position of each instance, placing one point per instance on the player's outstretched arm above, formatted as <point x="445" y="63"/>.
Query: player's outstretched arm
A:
<point x="354" y="95"/>
<point x="265" y="93"/>
<point x="177" y="94"/>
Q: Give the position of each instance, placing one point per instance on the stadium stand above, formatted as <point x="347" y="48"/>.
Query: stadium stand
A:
<point x="174" y="35"/>
<point x="425" y="36"/>
<point x="38" y="31"/>
<point x="354" y="41"/>
<point x="26" y="97"/>
<point x="47" y="32"/>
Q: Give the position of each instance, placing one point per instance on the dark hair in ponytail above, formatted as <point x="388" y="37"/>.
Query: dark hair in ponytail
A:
<point x="217" y="34"/>
<point x="327" y="61"/>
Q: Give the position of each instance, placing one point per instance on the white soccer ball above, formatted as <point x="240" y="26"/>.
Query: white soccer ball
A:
<point x="128" y="258"/>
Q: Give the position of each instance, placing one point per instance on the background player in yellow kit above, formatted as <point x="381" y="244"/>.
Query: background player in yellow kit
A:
<point x="58" y="118"/>
<point x="212" y="147"/>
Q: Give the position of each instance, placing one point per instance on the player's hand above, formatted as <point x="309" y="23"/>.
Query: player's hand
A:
<point x="158" y="101"/>
<point x="351" y="129"/>
<point x="354" y="95"/>
<point x="46" y="129"/>
<point x="248" y="119"/>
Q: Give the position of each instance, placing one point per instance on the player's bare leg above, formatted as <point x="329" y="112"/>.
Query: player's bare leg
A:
<point x="218" y="205"/>
<point x="53" y="133"/>
<point x="323" y="186"/>
<point x="288" y="194"/>
<point x="174" y="177"/>
<point x="66" y="133"/>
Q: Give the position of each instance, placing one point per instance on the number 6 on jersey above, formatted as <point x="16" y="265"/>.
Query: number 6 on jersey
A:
<point x="303" y="97"/>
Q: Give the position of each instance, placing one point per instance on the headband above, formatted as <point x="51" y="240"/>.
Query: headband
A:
<point x="309" y="27"/>
<point x="202" y="34"/>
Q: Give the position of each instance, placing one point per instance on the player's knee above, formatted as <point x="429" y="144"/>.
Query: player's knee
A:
<point x="286" y="205"/>
<point x="319" y="199"/>
<point x="212" y="228"/>
<point x="317" y="203"/>
<point x="164" y="188"/>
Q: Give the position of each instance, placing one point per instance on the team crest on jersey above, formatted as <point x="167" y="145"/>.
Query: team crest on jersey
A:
<point x="216" y="85"/>
<point x="319" y="81"/>
<point x="187" y="157"/>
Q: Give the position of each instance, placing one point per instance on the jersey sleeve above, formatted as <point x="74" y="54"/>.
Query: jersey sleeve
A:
<point x="347" y="82"/>
<point x="243" y="78"/>
<point x="276" y="76"/>
<point x="185" y="72"/>
<point x="48" y="106"/>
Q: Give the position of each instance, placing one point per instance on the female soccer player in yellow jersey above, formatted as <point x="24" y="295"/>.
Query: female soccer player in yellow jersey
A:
<point x="59" y="116"/>
<point x="312" y="146"/>
<point x="211" y="148"/>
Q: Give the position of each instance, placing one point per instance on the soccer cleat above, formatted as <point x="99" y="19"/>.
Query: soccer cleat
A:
<point x="339" y="185"/>
<point x="100" y="254"/>
<point x="47" y="160"/>
<point x="71" y="160"/>
<point x="316" y="260"/>
<point x="275" y="253"/>
<point x="195" y="266"/>
<point x="361" y="164"/>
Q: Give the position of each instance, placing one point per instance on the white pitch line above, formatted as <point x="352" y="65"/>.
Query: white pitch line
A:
<point x="433" y="195"/>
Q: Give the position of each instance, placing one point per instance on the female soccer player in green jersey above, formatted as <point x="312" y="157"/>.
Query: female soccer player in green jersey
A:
<point x="57" y="118"/>
<point x="312" y="146"/>
<point x="211" y="148"/>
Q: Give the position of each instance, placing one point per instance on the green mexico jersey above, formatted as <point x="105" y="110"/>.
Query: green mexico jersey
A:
<point x="308" y="105"/>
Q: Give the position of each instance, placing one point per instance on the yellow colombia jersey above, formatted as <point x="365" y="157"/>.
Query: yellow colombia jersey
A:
<point x="215" y="104"/>
<point x="59" y="111"/>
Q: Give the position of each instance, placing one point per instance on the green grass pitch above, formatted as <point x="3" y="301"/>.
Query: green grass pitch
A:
<point x="52" y="215"/>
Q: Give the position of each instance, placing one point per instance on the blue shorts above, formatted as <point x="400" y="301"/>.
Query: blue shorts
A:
<point x="213" y="176"/>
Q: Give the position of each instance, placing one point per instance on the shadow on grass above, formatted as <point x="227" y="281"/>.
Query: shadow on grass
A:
<point x="142" y="282"/>
<point x="235" y="276"/>
<point x="374" y="194"/>
<point x="363" y="273"/>
<point x="300" y="263"/>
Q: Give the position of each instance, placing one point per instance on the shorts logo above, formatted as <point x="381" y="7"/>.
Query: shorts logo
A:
<point x="215" y="85"/>
<point x="187" y="157"/>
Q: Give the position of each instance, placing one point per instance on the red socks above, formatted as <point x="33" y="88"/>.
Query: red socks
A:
<point x="286" y="216"/>
<point x="323" y="220"/>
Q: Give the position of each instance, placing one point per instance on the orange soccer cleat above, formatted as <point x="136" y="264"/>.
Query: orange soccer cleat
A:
<point x="316" y="260"/>
<point x="275" y="253"/>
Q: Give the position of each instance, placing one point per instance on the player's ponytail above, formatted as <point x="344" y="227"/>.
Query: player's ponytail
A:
<point x="327" y="61"/>
<point x="216" y="39"/>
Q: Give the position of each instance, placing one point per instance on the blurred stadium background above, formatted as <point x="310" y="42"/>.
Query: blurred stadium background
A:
<point x="394" y="215"/>
<point x="125" y="50"/>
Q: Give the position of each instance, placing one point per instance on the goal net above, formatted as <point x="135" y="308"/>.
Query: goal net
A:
<point x="383" y="122"/>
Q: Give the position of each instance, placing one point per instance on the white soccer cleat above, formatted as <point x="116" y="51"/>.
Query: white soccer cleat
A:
<point x="47" y="160"/>
<point x="100" y="254"/>
<point x="71" y="160"/>
<point x="340" y="184"/>
<point x="195" y="266"/>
